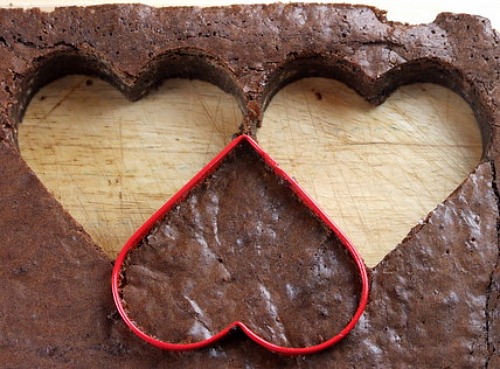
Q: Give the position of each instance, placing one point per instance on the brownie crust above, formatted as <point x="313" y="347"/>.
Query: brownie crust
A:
<point x="434" y="300"/>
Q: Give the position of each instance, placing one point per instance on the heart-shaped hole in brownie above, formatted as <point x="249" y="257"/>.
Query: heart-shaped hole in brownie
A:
<point x="376" y="171"/>
<point x="112" y="163"/>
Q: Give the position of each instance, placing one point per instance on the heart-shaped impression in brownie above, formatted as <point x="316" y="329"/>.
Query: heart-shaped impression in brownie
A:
<point x="223" y="248"/>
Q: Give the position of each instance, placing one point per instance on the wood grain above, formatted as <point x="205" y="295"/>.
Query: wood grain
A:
<point x="112" y="163"/>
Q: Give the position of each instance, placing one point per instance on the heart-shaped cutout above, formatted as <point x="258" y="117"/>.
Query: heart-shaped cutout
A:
<point x="239" y="216"/>
<point x="113" y="163"/>
<point x="377" y="171"/>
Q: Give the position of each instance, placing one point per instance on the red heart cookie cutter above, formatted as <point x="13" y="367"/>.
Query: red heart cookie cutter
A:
<point x="180" y="196"/>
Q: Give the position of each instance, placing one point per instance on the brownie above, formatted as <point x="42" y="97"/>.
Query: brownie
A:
<point x="434" y="300"/>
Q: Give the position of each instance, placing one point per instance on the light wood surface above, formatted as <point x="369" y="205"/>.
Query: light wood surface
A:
<point x="376" y="171"/>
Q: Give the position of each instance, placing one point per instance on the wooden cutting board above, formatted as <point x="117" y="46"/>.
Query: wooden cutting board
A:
<point x="377" y="171"/>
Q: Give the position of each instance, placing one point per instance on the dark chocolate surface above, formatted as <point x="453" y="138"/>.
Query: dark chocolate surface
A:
<point x="434" y="300"/>
<point x="258" y="256"/>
